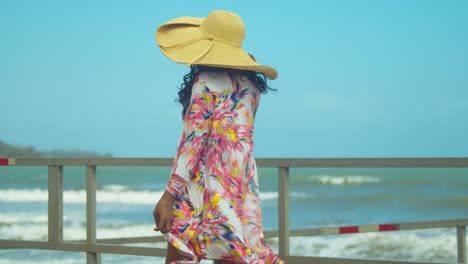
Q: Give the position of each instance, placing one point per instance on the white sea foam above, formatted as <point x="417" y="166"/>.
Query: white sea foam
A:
<point x="268" y="196"/>
<point x="115" y="187"/>
<point x="391" y="246"/>
<point x="74" y="228"/>
<point x="24" y="218"/>
<point x="427" y="245"/>
<point x="106" y="258"/>
<point x="34" y="260"/>
<point x="265" y="196"/>
<point x="411" y="246"/>
<point x="345" y="180"/>
<point x="108" y="194"/>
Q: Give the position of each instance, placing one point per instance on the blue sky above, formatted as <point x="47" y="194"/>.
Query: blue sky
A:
<point x="356" y="78"/>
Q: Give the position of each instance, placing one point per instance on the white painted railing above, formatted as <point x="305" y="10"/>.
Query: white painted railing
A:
<point x="95" y="247"/>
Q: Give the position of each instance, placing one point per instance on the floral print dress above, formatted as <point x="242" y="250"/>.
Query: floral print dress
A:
<point x="214" y="177"/>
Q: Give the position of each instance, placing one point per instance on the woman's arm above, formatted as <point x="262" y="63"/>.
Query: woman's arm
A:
<point x="197" y="123"/>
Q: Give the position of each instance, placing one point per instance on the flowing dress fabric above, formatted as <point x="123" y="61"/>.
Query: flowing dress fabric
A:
<point x="214" y="177"/>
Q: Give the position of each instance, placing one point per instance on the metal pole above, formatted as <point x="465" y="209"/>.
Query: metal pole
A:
<point x="91" y="257"/>
<point x="461" y="243"/>
<point x="283" y="203"/>
<point x="55" y="205"/>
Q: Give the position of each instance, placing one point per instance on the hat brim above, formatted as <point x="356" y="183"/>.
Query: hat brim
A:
<point x="184" y="29"/>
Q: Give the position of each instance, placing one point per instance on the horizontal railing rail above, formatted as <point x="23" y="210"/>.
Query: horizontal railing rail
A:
<point x="94" y="247"/>
<point x="314" y="231"/>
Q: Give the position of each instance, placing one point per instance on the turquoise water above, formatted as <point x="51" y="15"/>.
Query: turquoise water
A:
<point x="319" y="198"/>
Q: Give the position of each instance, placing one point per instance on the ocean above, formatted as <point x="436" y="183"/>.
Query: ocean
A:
<point x="330" y="197"/>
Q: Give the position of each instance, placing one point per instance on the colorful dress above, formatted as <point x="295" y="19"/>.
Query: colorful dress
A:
<point x="214" y="177"/>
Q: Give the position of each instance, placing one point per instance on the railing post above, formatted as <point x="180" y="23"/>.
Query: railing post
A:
<point x="461" y="243"/>
<point x="91" y="257"/>
<point x="283" y="204"/>
<point x="55" y="205"/>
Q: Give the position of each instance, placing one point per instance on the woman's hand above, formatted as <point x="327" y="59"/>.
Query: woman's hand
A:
<point x="163" y="214"/>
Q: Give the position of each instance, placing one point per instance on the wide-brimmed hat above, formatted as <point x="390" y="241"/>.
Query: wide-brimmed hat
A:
<point x="212" y="41"/>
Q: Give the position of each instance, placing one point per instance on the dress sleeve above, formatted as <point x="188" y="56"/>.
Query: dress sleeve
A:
<point x="197" y="123"/>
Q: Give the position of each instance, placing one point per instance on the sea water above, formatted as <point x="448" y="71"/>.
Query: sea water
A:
<point x="330" y="197"/>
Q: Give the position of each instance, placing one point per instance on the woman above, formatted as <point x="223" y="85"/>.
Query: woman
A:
<point x="211" y="208"/>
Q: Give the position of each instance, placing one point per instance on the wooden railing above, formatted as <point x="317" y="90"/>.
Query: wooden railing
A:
<point x="94" y="247"/>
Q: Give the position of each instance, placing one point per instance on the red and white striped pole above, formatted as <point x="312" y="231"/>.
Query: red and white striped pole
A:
<point x="359" y="229"/>
<point x="7" y="162"/>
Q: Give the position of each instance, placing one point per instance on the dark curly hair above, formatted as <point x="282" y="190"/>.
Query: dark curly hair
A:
<point x="185" y="90"/>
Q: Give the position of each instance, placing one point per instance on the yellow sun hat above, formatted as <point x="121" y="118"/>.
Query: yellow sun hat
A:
<point x="212" y="41"/>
